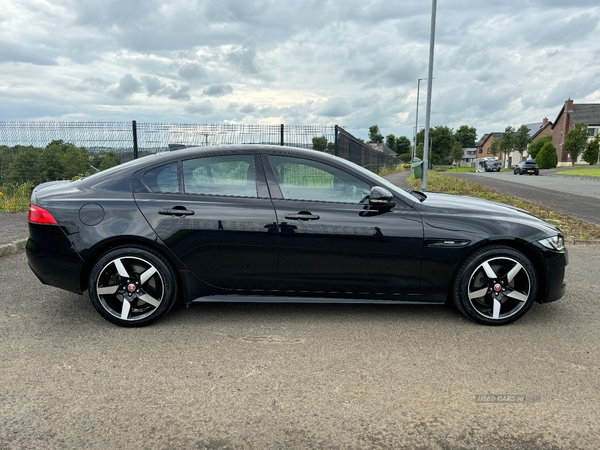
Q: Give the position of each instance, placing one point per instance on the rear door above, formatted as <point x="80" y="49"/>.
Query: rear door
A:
<point x="215" y="215"/>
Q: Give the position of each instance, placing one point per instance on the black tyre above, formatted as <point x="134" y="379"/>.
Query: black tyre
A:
<point x="495" y="286"/>
<point x="132" y="286"/>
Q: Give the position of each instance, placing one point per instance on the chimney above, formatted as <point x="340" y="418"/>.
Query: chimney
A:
<point x="545" y="122"/>
<point x="569" y="105"/>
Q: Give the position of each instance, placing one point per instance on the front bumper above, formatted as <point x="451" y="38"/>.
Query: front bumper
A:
<point x="554" y="264"/>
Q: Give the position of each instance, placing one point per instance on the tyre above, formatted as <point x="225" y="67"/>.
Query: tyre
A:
<point x="536" y="174"/>
<point x="132" y="286"/>
<point x="495" y="286"/>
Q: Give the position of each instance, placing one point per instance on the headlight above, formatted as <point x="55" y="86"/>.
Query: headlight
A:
<point x="554" y="243"/>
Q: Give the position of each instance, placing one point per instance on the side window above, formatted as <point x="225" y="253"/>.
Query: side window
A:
<point x="232" y="175"/>
<point x="303" y="179"/>
<point x="162" y="179"/>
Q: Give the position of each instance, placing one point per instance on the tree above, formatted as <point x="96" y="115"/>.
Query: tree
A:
<point x="390" y="141"/>
<point x="592" y="150"/>
<point x="442" y="141"/>
<point x="575" y="142"/>
<point x="466" y="135"/>
<point x="536" y="145"/>
<point x="319" y="143"/>
<point x="374" y="134"/>
<point x="457" y="153"/>
<point x="62" y="161"/>
<point x="109" y="160"/>
<point x="507" y="142"/>
<point x="495" y="147"/>
<point x="521" y="139"/>
<point x="547" y="157"/>
<point x="403" y="146"/>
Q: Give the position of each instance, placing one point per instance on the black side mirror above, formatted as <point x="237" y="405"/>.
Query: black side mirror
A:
<point x="381" y="198"/>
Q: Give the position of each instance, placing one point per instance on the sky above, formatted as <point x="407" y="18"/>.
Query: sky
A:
<point x="303" y="62"/>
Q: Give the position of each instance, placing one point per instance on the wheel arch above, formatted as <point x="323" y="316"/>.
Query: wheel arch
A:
<point x="520" y="246"/>
<point x="103" y="247"/>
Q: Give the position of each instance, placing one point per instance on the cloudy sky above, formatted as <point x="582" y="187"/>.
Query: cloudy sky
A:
<point x="303" y="62"/>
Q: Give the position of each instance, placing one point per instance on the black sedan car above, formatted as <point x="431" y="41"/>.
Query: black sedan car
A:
<point x="272" y="224"/>
<point x="528" y="167"/>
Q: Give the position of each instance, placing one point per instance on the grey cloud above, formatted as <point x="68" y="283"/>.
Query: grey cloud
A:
<point x="156" y="87"/>
<point x="192" y="72"/>
<point x="245" y="59"/>
<point x="218" y="90"/>
<point x="153" y="85"/>
<point x="248" y="109"/>
<point x="128" y="86"/>
<point x="335" y="107"/>
<point x="24" y="53"/>
<point x="201" y="108"/>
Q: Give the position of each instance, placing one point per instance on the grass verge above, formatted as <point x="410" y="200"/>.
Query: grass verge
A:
<point x="581" y="172"/>
<point x="15" y="198"/>
<point x="448" y="185"/>
<point x="388" y="170"/>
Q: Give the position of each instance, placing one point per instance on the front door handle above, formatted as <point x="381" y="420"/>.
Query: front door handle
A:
<point x="176" y="211"/>
<point x="302" y="216"/>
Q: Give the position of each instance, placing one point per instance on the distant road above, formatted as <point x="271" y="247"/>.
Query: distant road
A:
<point x="575" y="196"/>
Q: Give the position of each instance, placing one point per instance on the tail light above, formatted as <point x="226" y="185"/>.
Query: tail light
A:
<point x="40" y="215"/>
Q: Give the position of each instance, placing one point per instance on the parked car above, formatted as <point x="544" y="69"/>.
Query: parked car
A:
<point x="528" y="167"/>
<point x="272" y="224"/>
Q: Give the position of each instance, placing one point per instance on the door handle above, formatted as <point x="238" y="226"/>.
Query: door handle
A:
<point x="301" y="217"/>
<point x="176" y="211"/>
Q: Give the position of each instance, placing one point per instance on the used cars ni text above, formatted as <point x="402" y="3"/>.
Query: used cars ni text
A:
<point x="268" y="223"/>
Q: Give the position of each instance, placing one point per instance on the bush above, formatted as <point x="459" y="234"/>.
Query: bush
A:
<point x="546" y="157"/>
<point x="536" y="146"/>
<point x="590" y="155"/>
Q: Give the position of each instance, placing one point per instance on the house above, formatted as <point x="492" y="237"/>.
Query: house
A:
<point x="571" y="115"/>
<point x="469" y="154"/>
<point x="484" y="144"/>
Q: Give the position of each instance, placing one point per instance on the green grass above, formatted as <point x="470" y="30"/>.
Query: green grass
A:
<point x="581" y="172"/>
<point x="15" y="198"/>
<point x="388" y="170"/>
<point x="459" y="186"/>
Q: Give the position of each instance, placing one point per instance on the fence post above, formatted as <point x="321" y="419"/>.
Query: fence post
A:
<point x="281" y="141"/>
<point x="135" y="144"/>
<point x="335" y="146"/>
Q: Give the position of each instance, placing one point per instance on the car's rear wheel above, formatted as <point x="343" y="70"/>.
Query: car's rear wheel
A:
<point x="495" y="286"/>
<point x="132" y="286"/>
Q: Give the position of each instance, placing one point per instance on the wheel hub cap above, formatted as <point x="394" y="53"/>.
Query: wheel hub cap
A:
<point x="131" y="287"/>
<point x="497" y="287"/>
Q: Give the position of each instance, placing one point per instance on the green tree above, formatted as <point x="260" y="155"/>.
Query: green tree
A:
<point x="403" y="145"/>
<point x="25" y="165"/>
<point x="508" y="140"/>
<point x="62" y="161"/>
<point x="467" y="136"/>
<point x="521" y="139"/>
<point x="536" y="146"/>
<point x="547" y="157"/>
<point x="457" y="153"/>
<point x="592" y="150"/>
<point x="390" y="141"/>
<point x="319" y="143"/>
<point x="495" y="147"/>
<point x="109" y="160"/>
<point x="374" y="134"/>
<point x="419" y="150"/>
<point x="442" y="141"/>
<point x="576" y="141"/>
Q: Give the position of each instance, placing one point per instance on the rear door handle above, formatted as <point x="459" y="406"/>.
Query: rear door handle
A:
<point x="176" y="211"/>
<point x="301" y="217"/>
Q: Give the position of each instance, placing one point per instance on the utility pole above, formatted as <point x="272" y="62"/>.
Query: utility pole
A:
<point x="417" y="116"/>
<point x="429" y="85"/>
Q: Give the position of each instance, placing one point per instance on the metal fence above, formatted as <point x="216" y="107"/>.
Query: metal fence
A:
<point x="20" y="140"/>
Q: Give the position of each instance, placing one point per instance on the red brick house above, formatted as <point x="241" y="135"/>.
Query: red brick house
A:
<point x="570" y="115"/>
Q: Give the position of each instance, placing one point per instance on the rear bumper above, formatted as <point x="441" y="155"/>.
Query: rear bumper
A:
<point x="52" y="258"/>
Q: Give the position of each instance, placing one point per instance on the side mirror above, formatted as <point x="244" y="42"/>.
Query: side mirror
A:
<point x="381" y="198"/>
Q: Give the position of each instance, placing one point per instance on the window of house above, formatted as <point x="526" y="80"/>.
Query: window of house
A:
<point x="592" y="131"/>
<point x="481" y="150"/>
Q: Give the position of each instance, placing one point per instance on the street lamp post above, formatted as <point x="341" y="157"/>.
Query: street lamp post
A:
<point x="429" y="85"/>
<point x="417" y="116"/>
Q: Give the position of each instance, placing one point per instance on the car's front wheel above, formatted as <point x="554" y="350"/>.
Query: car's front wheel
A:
<point x="132" y="286"/>
<point x="495" y="285"/>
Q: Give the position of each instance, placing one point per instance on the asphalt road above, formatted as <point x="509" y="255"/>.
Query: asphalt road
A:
<point x="256" y="376"/>
<point x="575" y="196"/>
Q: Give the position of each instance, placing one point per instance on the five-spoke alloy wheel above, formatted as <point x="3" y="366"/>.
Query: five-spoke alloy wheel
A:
<point x="495" y="286"/>
<point x="132" y="286"/>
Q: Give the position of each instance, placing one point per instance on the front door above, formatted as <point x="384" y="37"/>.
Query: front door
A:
<point x="331" y="244"/>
